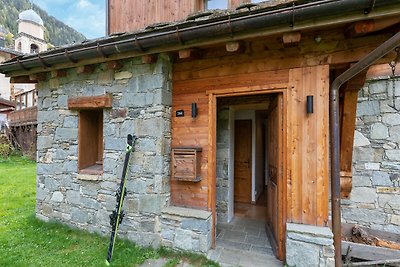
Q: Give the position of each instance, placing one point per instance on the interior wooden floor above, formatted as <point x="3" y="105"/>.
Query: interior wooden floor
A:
<point x="257" y="211"/>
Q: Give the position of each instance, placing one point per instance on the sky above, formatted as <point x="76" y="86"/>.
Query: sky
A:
<point x="86" y="16"/>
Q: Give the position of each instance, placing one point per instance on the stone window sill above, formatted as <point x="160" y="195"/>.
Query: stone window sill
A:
<point x="96" y="169"/>
<point x="91" y="173"/>
<point x="187" y="212"/>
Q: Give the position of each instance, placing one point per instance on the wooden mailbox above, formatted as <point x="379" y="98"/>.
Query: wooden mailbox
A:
<point x="186" y="164"/>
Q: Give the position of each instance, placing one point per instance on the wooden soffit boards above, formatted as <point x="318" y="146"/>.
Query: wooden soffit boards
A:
<point x="90" y="102"/>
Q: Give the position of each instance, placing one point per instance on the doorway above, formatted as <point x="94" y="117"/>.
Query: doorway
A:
<point x="249" y="176"/>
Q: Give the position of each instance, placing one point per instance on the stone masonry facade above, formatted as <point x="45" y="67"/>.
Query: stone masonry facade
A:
<point x="141" y="105"/>
<point x="308" y="245"/>
<point x="375" y="197"/>
<point x="223" y="157"/>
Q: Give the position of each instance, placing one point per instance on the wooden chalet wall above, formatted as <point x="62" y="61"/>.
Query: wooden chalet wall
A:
<point x="299" y="71"/>
<point x="131" y="15"/>
<point x="306" y="149"/>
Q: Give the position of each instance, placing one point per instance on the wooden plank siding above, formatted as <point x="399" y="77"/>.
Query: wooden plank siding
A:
<point x="188" y="131"/>
<point x="131" y="15"/>
<point x="308" y="158"/>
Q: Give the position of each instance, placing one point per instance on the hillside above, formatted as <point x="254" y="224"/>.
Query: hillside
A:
<point x="56" y="33"/>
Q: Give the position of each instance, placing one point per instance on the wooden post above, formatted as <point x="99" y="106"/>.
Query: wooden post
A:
<point x="350" y="97"/>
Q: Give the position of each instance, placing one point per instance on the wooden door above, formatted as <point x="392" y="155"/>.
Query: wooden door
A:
<point x="275" y="175"/>
<point x="242" y="167"/>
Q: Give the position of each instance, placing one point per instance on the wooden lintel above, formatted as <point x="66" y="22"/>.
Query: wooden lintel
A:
<point x="149" y="59"/>
<point x="114" y="65"/>
<point x="37" y="77"/>
<point x="21" y="79"/>
<point x="349" y="107"/>
<point x="58" y="73"/>
<point x="291" y="38"/>
<point x="86" y="69"/>
<point x="235" y="46"/>
<point x="90" y="102"/>
<point x="191" y="53"/>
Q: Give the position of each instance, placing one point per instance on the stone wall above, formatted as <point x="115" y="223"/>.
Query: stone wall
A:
<point x="308" y="245"/>
<point x="186" y="229"/>
<point x="375" y="198"/>
<point x="222" y="183"/>
<point x="142" y="106"/>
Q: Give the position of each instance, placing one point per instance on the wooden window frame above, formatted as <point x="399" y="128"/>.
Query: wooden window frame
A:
<point x="90" y="141"/>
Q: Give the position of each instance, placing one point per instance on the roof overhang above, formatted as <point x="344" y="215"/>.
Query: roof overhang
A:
<point x="4" y="103"/>
<point x="201" y="31"/>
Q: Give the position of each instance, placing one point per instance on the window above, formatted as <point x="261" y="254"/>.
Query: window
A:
<point x="19" y="46"/>
<point x="90" y="141"/>
<point x="216" y="4"/>
<point x="34" y="49"/>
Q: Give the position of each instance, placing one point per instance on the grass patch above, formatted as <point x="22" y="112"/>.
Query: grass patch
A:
<point x="26" y="241"/>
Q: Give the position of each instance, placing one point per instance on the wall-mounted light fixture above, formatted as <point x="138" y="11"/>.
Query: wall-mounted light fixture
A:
<point x="310" y="104"/>
<point x="194" y="110"/>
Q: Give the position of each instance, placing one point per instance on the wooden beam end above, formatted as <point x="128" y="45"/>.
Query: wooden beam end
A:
<point x="190" y="53"/>
<point x="114" y="65"/>
<point x="58" y="73"/>
<point x="291" y="38"/>
<point x="235" y="46"/>
<point x="149" y="59"/>
<point x="87" y="69"/>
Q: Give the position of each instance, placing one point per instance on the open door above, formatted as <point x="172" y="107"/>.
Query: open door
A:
<point x="275" y="175"/>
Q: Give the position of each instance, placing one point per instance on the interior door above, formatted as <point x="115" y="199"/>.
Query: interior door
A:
<point x="242" y="165"/>
<point x="275" y="175"/>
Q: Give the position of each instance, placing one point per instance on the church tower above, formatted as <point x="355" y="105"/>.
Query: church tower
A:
<point x="30" y="37"/>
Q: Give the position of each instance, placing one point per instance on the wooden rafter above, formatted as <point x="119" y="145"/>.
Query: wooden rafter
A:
<point x="190" y="53"/>
<point x="38" y="77"/>
<point x="58" y="73"/>
<point x="291" y="39"/>
<point x="86" y="69"/>
<point x="22" y="79"/>
<point x="114" y="65"/>
<point x="360" y="28"/>
<point x="235" y="46"/>
<point x="149" y="59"/>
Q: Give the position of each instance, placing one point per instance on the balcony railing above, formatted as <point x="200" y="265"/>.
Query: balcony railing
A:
<point x="25" y="109"/>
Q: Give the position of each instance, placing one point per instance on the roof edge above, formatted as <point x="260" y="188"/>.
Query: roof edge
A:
<point x="230" y="26"/>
